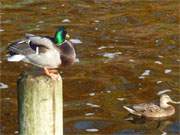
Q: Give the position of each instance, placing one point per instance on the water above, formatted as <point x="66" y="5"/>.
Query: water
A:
<point x="119" y="41"/>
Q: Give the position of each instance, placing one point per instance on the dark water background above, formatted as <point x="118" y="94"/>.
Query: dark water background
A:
<point x="121" y="40"/>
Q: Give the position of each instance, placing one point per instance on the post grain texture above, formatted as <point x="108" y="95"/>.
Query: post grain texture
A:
<point x="40" y="104"/>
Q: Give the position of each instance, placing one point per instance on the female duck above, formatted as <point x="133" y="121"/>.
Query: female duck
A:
<point x="48" y="53"/>
<point x="152" y="110"/>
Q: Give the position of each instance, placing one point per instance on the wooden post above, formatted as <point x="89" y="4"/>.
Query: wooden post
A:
<point x="40" y="104"/>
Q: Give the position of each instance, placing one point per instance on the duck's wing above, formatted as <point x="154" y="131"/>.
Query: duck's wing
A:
<point x="144" y="107"/>
<point x="30" y="44"/>
<point x="132" y="111"/>
<point x="21" y="47"/>
<point x="45" y="42"/>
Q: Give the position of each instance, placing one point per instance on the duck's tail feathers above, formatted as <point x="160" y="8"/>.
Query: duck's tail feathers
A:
<point x="132" y="111"/>
<point x="15" y="58"/>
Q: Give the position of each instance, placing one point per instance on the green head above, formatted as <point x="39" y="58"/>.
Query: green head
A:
<point x="60" y="36"/>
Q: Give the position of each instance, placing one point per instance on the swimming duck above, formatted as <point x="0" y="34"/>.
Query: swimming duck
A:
<point x="45" y="52"/>
<point x="152" y="110"/>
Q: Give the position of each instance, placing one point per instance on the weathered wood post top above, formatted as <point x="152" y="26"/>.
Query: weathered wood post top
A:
<point x="40" y="104"/>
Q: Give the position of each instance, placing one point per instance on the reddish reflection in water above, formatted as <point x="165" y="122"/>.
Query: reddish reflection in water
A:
<point x="121" y="42"/>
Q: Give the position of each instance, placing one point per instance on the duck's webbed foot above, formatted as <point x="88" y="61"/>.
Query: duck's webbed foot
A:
<point x="52" y="73"/>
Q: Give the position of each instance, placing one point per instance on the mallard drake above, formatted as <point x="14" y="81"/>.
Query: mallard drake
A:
<point x="152" y="110"/>
<point x="45" y="52"/>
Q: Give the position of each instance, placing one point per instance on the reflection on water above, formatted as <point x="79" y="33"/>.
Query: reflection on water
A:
<point x="173" y="128"/>
<point x="127" y="50"/>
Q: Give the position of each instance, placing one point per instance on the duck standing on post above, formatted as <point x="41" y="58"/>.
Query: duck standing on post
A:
<point x="154" y="111"/>
<point x="45" y="52"/>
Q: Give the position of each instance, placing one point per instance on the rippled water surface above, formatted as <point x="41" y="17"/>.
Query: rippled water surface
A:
<point x="129" y="52"/>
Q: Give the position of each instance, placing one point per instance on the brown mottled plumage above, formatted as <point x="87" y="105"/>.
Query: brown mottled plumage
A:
<point x="152" y="110"/>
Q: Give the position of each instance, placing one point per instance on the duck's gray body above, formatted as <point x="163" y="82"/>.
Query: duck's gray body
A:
<point x="42" y="52"/>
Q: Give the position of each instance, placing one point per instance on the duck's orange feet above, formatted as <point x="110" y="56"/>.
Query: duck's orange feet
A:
<point x="52" y="73"/>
